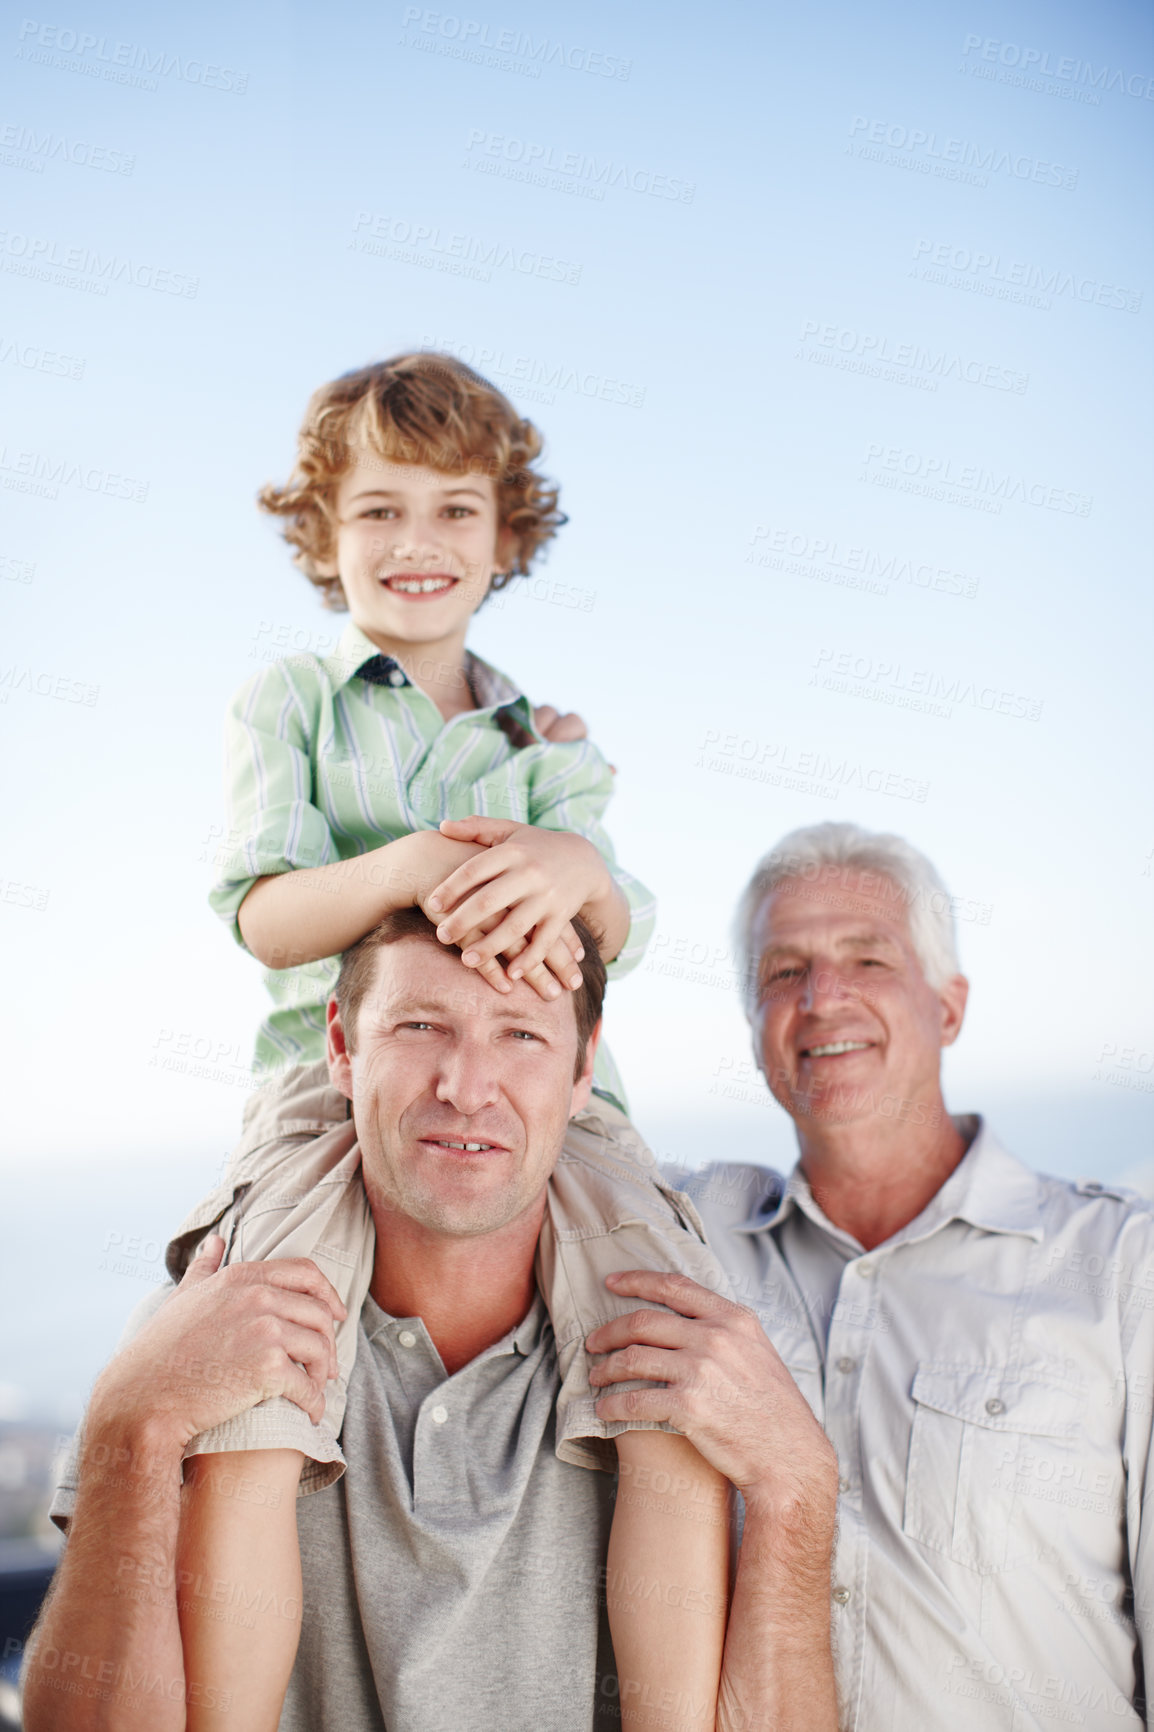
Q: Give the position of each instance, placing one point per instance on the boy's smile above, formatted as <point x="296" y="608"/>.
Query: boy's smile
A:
<point x="416" y="551"/>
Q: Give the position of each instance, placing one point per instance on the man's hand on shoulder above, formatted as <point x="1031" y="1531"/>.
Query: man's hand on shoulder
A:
<point x="226" y="1339"/>
<point x="726" y="1389"/>
<point x="729" y="1393"/>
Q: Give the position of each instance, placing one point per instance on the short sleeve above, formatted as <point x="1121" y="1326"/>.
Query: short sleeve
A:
<point x="272" y="824"/>
<point x="608" y="1209"/>
<point x="570" y="790"/>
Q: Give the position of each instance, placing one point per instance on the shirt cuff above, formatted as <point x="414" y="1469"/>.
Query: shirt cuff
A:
<point x="642" y="919"/>
<point x="278" y="1424"/>
<point x="283" y="839"/>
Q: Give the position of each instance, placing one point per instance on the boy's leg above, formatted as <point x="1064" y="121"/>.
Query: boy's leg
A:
<point x="292" y="1188"/>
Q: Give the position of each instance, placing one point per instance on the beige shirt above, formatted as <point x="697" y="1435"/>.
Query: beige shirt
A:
<point x="987" y="1379"/>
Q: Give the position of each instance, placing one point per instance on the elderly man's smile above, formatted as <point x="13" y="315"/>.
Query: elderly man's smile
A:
<point x="836" y="1048"/>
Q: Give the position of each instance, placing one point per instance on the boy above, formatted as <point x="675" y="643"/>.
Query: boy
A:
<point x="404" y="770"/>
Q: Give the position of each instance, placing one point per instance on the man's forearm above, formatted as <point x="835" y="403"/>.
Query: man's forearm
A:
<point x="777" y="1674"/>
<point x="106" y="1654"/>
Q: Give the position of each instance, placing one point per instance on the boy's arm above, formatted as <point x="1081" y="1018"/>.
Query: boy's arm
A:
<point x="238" y="1580"/>
<point x="303" y="915"/>
<point x="289" y="896"/>
<point x="667" y="1583"/>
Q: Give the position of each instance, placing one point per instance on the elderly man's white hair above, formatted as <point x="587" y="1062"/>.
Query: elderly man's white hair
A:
<point x="823" y="849"/>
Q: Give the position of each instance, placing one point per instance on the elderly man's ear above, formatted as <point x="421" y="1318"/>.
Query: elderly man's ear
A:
<point x="953" y="997"/>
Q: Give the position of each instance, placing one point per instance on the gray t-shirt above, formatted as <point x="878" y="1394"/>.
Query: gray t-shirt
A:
<point x="455" y="1577"/>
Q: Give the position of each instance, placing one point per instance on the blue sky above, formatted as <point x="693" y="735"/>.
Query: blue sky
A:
<point x="837" y="326"/>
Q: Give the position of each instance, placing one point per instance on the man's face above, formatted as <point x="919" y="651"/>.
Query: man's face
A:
<point x="846" y="1025"/>
<point x="461" y="1095"/>
<point x="416" y="548"/>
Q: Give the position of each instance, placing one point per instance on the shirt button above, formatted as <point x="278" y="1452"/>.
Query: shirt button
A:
<point x="407" y="1338"/>
<point x="843" y="1484"/>
<point x="396" y="677"/>
<point x="440" y="1414"/>
<point x="841" y="1595"/>
<point x="846" y="1364"/>
<point x="995" y="1406"/>
<point x="864" y="1269"/>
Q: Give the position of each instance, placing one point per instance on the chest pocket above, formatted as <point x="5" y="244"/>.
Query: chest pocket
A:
<point x="995" y="1459"/>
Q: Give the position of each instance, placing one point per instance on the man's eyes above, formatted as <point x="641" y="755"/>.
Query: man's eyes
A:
<point x="418" y="1027"/>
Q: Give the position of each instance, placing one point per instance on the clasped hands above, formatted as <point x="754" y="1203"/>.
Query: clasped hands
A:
<point x="510" y="904"/>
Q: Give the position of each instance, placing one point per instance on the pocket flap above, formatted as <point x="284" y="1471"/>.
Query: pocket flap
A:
<point x="999" y="1400"/>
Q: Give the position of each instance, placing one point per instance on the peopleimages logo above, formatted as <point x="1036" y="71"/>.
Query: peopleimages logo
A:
<point x="478" y="40"/>
<point x="120" y="62"/>
<point x="881" y="356"/>
<point x="994" y="487"/>
<point x="1067" y="68"/>
<point x="25" y="141"/>
<point x="426" y="244"/>
<point x="991" y="274"/>
<point x="574" y="166"/>
<point x="50" y="260"/>
<point x="931" y="152"/>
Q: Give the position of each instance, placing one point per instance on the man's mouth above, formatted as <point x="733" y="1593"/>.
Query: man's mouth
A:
<point x="463" y="1148"/>
<point x="834" y="1048"/>
<point x="438" y="583"/>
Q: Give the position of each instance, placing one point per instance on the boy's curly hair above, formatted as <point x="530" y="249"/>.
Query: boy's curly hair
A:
<point x="426" y="408"/>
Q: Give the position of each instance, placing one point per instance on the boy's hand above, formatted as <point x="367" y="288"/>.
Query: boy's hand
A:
<point x="430" y="857"/>
<point x="557" y="728"/>
<point x="534" y="881"/>
<point x="544" y="977"/>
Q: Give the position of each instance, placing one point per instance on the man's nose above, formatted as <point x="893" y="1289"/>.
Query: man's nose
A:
<point x="825" y="988"/>
<point x="468" y="1078"/>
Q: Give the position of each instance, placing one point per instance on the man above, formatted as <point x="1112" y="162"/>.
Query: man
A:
<point x="977" y="1340"/>
<point x="455" y="1575"/>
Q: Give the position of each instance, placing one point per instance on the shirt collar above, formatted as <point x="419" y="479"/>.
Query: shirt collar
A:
<point x="493" y="689"/>
<point x="352" y="651"/>
<point x="380" y="1324"/>
<point x="989" y="1188"/>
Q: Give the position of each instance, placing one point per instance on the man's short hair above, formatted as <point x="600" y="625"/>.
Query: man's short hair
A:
<point x="358" y="965"/>
<point x="829" y="850"/>
<point x="424" y="408"/>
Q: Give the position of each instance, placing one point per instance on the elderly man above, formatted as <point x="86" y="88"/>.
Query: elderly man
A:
<point x="455" y="1576"/>
<point x="976" y="1339"/>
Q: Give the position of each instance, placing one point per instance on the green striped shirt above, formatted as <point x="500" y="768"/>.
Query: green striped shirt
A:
<point x="321" y="765"/>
